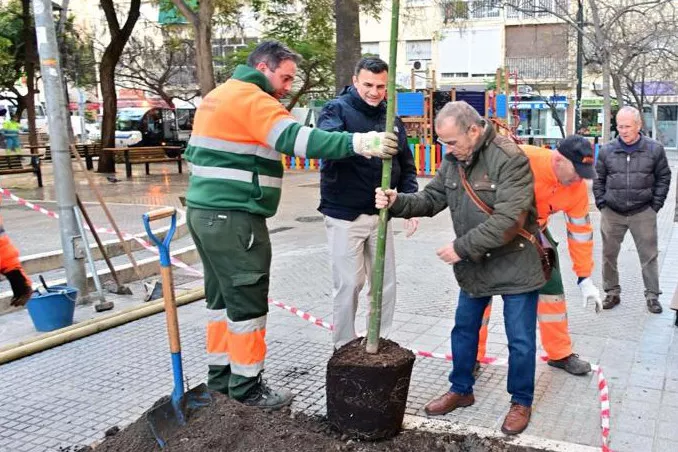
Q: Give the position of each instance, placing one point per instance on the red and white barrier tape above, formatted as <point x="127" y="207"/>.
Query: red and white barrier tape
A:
<point x="28" y="204"/>
<point x="304" y="315"/>
<point x="126" y="236"/>
<point x="602" y="383"/>
<point x="604" y="407"/>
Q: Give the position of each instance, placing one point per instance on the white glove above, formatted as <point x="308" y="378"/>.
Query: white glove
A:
<point x="590" y="292"/>
<point x="375" y="144"/>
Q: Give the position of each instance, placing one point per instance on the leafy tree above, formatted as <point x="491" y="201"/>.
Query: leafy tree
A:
<point x="309" y="31"/>
<point x="18" y="58"/>
<point x="163" y="69"/>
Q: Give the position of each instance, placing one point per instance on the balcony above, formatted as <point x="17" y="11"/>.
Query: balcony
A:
<point x="539" y="68"/>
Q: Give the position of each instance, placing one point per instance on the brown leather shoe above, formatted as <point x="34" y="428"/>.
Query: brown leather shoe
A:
<point x="447" y="402"/>
<point x="611" y="301"/>
<point x="517" y="419"/>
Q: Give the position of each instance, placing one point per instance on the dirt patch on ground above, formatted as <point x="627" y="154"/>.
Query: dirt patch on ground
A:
<point x="230" y="426"/>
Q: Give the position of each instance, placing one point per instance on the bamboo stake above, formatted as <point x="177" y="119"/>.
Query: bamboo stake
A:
<point x="373" y="329"/>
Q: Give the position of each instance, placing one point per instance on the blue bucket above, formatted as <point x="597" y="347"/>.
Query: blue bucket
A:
<point x="54" y="309"/>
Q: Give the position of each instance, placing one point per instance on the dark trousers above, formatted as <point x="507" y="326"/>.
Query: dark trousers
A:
<point x="236" y="254"/>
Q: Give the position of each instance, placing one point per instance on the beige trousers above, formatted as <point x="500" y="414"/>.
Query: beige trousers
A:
<point x="352" y="247"/>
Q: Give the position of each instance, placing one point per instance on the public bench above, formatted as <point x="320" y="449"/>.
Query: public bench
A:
<point x="147" y="155"/>
<point x="14" y="164"/>
<point x="87" y="152"/>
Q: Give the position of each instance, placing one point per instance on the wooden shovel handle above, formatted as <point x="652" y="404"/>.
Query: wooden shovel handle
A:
<point x="157" y="214"/>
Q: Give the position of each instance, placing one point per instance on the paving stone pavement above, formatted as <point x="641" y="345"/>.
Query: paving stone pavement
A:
<point x="71" y="394"/>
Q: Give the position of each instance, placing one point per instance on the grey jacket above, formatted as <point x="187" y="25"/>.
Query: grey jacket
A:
<point x="495" y="260"/>
<point x="629" y="183"/>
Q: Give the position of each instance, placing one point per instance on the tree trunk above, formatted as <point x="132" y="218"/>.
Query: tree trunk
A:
<point x="109" y="60"/>
<point x="607" y="101"/>
<point x="556" y="118"/>
<point x="347" y="13"/>
<point x="203" y="57"/>
<point x="202" y="27"/>
<point x="29" y="66"/>
<point x="303" y="90"/>
<point x="618" y="91"/>
<point x="110" y="101"/>
<point x="165" y="96"/>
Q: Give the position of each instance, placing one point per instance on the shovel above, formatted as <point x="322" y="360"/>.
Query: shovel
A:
<point x="165" y="418"/>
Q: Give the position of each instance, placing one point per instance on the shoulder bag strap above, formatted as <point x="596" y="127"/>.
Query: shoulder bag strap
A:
<point x="488" y="210"/>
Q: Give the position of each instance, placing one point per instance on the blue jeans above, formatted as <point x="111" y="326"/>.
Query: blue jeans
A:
<point x="520" y="321"/>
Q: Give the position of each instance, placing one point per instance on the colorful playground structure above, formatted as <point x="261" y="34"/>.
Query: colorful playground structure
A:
<point x="417" y="108"/>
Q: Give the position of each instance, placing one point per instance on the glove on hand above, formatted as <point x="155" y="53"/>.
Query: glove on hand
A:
<point x="590" y="292"/>
<point x="375" y="144"/>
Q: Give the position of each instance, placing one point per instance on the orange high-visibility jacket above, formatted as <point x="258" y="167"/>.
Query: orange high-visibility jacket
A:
<point x="9" y="255"/>
<point x="573" y="200"/>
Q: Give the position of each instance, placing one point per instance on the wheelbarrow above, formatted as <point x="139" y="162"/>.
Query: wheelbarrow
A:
<point x="165" y="418"/>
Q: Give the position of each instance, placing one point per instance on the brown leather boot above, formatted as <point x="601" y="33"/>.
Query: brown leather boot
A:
<point x="517" y="419"/>
<point x="447" y="402"/>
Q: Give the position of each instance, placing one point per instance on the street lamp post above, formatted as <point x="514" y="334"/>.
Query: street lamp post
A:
<point x="64" y="184"/>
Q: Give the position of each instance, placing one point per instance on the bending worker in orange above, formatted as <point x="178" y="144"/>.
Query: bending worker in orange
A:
<point x="559" y="186"/>
<point x="10" y="266"/>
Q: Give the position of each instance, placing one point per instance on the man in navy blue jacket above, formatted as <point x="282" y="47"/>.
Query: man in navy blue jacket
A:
<point x="347" y="198"/>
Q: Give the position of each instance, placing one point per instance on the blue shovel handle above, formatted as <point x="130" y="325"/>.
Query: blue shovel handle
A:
<point x="163" y="247"/>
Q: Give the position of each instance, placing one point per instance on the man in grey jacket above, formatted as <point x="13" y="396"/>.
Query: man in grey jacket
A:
<point x="488" y="254"/>
<point x="632" y="184"/>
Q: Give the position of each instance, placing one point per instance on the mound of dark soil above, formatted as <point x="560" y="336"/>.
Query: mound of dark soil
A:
<point x="230" y="426"/>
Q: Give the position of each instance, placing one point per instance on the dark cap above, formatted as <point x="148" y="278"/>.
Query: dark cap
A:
<point x="579" y="151"/>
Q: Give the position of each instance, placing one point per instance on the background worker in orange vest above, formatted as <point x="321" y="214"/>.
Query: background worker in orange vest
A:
<point x="239" y="134"/>
<point x="559" y="187"/>
<point x="10" y="266"/>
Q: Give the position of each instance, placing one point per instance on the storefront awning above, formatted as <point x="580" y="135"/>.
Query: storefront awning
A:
<point x="537" y="105"/>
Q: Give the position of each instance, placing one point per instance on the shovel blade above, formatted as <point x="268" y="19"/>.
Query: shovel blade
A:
<point x="168" y="417"/>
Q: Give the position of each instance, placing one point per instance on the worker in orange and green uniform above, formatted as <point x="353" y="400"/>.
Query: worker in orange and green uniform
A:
<point x="10" y="267"/>
<point x="559" y="186"/>
<point x="239" y="135"/>
<point x="10" y="130"/>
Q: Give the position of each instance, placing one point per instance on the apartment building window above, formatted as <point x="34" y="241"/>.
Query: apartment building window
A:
<point x="484" y="9"/>
<point x="455" y="10"/>
<point x="454" y="75"/>
<point x="223" y="47"/>
<point x="476" y="51"/>
<point x="471" y="9"/>
<point x="370" y="48"/>
<point x="418" y="50"/>
<point x="526" y="9"/>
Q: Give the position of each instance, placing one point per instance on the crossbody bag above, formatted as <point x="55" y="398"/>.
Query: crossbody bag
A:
<point x="546" y="255"/>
